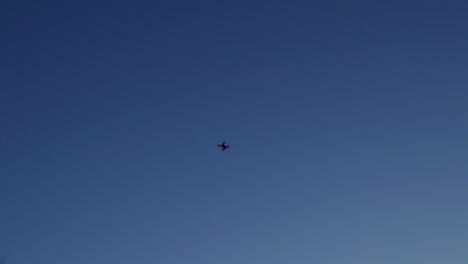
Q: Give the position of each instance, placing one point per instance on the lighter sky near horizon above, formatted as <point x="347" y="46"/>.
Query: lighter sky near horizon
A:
<point x="347" y="122"/>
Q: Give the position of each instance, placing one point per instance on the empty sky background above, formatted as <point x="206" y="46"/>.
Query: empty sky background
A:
<point x="347" y="122"/>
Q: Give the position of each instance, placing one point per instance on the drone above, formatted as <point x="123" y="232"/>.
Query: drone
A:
<point x="223" y="146"/>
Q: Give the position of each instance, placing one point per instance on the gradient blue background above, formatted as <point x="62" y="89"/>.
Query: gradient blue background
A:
<point x="347" y="122"/>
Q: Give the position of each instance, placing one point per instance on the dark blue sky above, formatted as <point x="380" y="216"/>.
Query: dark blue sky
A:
<point x="347" y="123"/>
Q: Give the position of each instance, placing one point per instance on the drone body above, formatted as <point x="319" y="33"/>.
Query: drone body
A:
<point x="223" y="146"/>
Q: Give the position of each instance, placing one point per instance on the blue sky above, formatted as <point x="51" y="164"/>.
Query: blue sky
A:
<point x="346" y="120"/>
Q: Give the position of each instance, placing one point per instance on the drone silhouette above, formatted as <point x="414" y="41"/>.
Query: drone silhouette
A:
<point x="223" y="146"/>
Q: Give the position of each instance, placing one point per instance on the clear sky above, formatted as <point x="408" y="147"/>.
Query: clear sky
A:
<point x="347" y="122"/>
